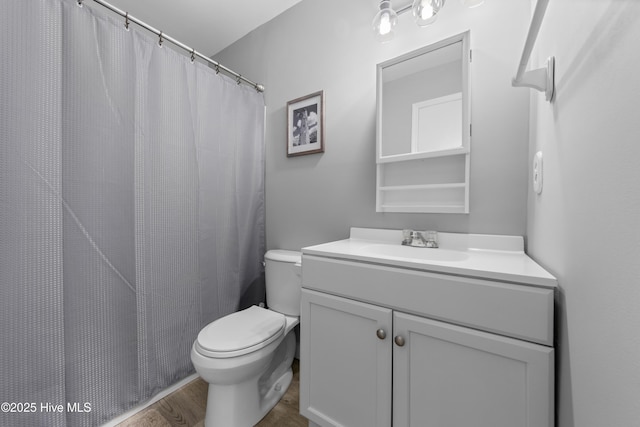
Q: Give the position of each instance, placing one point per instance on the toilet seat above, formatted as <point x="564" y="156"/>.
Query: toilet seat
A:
<point x="240" y="333"/>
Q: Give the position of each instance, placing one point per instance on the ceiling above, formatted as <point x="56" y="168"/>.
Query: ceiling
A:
<point x="207" y="26"/>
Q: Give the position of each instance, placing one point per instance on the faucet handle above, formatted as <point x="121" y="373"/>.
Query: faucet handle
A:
<point x="431" y="238"/>
<point x="406" y="236"/>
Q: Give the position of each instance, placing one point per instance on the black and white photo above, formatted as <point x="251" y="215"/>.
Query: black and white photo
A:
<point x="305" y="125"/>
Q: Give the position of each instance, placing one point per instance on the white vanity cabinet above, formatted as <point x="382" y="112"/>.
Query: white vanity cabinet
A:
<point x="389" y="346"/>
<point x="446" y="375"/>
<point x="345" y="368"/>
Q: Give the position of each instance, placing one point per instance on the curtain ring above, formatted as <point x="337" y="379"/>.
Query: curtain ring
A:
<point x="193" y="55"/>
<point x="80" y="3"/>
<point x="160" y="39"/>
<point x="126" y="21"/>
<point x="217" y="67"/>
<point x="238" y="78"/>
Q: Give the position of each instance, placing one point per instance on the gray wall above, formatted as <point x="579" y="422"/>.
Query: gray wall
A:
<point x="585" y="226"/>
<point x="328" y="45"/>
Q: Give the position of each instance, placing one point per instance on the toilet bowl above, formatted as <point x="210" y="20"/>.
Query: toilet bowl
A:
<point x="246" y="356"/>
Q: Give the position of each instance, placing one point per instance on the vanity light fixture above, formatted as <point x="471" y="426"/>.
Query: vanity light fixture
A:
<point x="385" y="22"/>
<point x="424" y="12"/>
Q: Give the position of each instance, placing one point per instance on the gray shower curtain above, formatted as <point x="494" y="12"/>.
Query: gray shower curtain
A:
<point x="131" y="211"/>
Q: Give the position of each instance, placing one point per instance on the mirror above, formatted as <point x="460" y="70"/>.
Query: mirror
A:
<point x="423" y="130"/>
<point x="423" y="101"/>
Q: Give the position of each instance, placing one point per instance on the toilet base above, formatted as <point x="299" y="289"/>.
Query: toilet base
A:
<point x="244" y="404"/>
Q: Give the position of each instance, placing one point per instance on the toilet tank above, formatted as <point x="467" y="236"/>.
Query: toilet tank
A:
<point x="283" y="271"/>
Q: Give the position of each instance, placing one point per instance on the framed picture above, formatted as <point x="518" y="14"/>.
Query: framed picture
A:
<point x="305" y="125"/>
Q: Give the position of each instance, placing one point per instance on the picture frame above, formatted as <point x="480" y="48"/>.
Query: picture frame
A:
<point x="305" y="125"/>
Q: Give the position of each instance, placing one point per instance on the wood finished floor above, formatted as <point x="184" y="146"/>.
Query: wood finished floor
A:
<point x="186" y="407"/>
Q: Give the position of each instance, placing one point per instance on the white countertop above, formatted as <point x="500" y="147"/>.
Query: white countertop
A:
<point x="483" y="256"/>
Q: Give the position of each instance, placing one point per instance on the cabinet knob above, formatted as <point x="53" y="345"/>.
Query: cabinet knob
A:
<point x="381" y="334"/>
<point x="399" y="340"/>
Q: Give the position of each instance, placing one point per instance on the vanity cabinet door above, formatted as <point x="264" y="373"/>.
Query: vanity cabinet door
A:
<point x="345" y="360"/>
<point x="451" y="376"/>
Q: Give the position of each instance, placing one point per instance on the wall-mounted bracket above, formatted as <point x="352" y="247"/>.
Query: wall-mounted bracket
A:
<point x="542" y="79"/>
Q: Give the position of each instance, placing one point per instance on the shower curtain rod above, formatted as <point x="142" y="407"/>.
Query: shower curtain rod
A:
<point x="162" y="37"/>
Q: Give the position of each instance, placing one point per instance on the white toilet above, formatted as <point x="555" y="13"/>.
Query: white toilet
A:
<point x="246" y="356"/>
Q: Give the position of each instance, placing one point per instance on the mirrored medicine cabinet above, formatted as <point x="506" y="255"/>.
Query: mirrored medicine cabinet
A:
<point x="423" y="129"/>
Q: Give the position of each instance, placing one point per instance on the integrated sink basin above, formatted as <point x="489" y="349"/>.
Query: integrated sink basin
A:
<point x="400" y="252"/>
<point x="493" y="257"/>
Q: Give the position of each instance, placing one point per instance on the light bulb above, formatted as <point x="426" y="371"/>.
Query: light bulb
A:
<point x="471" y="3"/>
<point x="425" y="12"/>
<point x="384" y="22"/>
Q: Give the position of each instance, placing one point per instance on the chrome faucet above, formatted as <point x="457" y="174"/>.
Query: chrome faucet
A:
<point x="416" y="239"/>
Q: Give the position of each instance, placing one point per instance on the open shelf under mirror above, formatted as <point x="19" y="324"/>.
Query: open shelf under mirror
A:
<point x="429" y="185"/>
<point x="423" y="155"/>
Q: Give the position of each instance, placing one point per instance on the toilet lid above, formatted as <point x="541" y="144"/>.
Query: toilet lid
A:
<point x="242" y="332"/>
<point x="283" y="255"/>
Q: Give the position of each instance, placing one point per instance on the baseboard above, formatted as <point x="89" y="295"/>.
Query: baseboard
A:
<point x="164" y="393"/>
